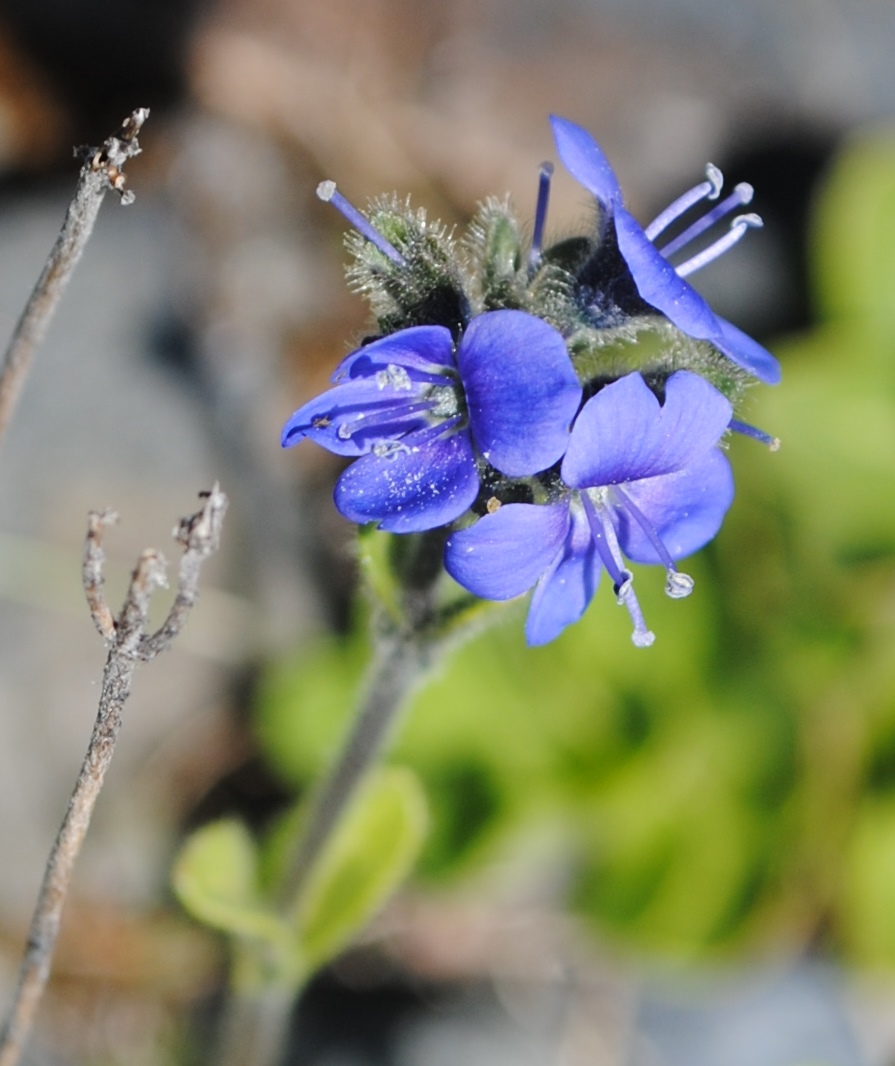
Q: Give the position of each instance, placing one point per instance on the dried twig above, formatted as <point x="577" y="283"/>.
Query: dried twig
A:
<point x="92" y="572"/>
<point x="101" y="170"/>
<point x="199" y="536"/>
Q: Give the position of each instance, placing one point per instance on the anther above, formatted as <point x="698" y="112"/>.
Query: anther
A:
<point x="678" y="585"/>
<point x="328" y="193"/>
<point x="705" y="190"/>
<point x="388" y="449"/>
<point x="716" y="180"/>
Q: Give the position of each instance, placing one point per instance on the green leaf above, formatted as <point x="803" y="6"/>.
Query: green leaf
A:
<point x="368" y="856"/>
<point x="377" y="566"/>
<point x="215" y="878"/>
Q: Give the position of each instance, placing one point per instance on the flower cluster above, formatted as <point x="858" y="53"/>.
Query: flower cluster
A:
<point x="562" y="409"/>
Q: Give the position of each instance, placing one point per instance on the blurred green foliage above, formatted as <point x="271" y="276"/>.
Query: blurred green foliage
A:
<point x="733" y="787"/>
<point x="235" y="884"/>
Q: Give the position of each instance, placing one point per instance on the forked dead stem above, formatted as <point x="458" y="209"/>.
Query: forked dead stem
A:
<point x="130" y="644"/>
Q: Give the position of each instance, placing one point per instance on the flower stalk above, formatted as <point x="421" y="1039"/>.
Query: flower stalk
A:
<point x="400" y="663"/>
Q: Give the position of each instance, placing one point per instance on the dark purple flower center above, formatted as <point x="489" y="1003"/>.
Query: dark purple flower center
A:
<point x="606" y="283"/>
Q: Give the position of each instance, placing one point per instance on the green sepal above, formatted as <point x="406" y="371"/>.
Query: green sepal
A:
<point x="366" y="858"/>
<point x="401" y="572"/>
<point x="494" y="242"/>
<point x="655" y="348"/>
<point x="428" y="289"/>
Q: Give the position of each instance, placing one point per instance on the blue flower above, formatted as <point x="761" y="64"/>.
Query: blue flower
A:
<point x="642" y="480"/>
<point x="418" y="414"/>
<point x="658" y="283"/>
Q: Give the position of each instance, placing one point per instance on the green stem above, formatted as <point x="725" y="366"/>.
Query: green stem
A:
<point x="401" y="663"/>
<point x="254" y="1028"/>
<point x="402" y="658"/>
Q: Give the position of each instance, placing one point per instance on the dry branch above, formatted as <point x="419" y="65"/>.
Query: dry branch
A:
<point x="199" y="535"/>
<point x="101" y="170"/>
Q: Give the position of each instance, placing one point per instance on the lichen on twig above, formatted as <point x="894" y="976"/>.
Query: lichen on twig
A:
<point x="101" y="170"/>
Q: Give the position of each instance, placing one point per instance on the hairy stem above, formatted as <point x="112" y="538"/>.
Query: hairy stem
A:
<point x="256" y="1027"/>
<point x="401" y="663"/>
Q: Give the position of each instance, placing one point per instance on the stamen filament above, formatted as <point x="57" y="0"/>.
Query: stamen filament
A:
<point x="416" y="438"/>
<point x="755" y="433"/>
<point x="677" y="584"/>
<point x="740" y="196"/>
<point x="607" y="545"/>
<point x="328" y="193"/>
<point x="537" y="237"/>
<point x="614" y="563"/>
<point x="392" y="413"/>
<point x="705" y="190"/>
<point x="437" y="431"/>
<point x="737" y="228"/>
<point x="642" y="637"/>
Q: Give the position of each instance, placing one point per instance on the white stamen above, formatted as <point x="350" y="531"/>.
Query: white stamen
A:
<point x="737" y="228"/>
<point x="741" y="195"/>
<point x="716" y="179"/>
<point x="398" y="377"/>
<point x="388" y="449"/>
<point x="328" y="192"/>
<point x="641" y="637"/>
<point x="678" y="585"/>
<point x="705" y="190"/>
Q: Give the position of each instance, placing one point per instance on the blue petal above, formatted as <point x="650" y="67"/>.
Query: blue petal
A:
<point x="505" y="553"/>
<point x="349" y="405"/>
<point x="623" y="435"/>
<point x="661" y="287"/>
<point x="745" y="352"/>
<point x="521" y="390"/>
<point x="584" y="160"/>
<point x="686" y="508"/>
<point x="563" y="593"/>
<point x="427" y="482"/>
<point x="426" y="349"/>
